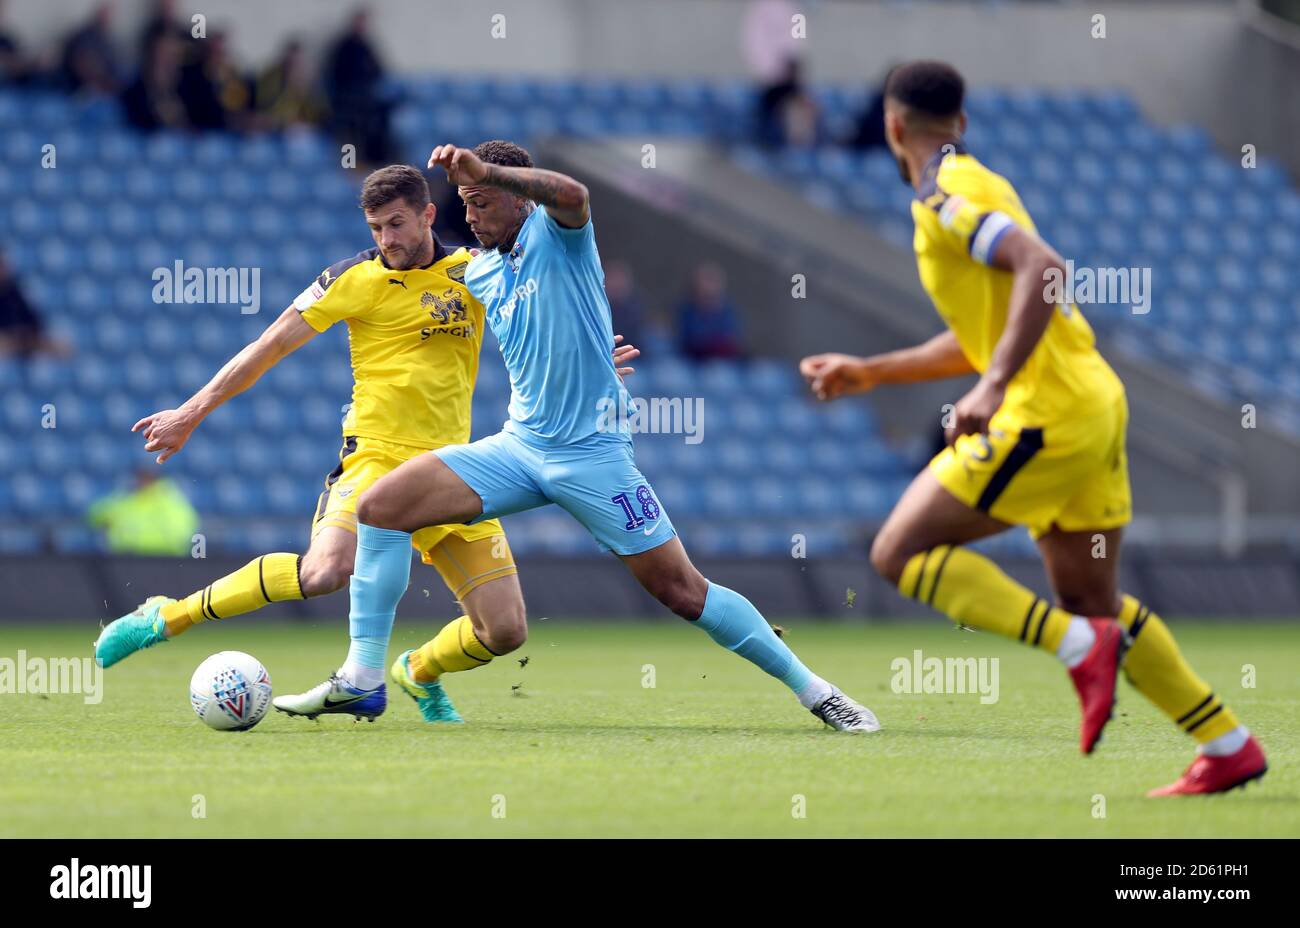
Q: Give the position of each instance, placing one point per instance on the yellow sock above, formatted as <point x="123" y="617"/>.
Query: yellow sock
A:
<point x="971" y="590"/>
<point x="271" y="578"/>
<point x="454" y="648"/>
<point x="1158" y="671"/>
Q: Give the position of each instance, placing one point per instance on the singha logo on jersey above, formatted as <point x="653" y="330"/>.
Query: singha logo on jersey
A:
<point x="446" y="308"/>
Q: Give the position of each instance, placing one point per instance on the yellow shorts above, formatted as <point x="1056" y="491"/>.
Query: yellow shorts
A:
<point x="1071" y="475"/>
<point x="467" y="556"/>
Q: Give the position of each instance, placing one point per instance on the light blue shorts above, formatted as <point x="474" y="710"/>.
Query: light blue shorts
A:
<point x="596" y="481"/>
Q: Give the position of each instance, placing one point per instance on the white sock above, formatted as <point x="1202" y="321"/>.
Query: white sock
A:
<point x="363" y="678"/>
<point x="814" y="692"/>
<point x="1225" y="744"/>
<point x="1076" y="644"/>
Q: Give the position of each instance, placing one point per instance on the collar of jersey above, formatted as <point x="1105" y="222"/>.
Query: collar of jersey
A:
<point x="930" y="172"/>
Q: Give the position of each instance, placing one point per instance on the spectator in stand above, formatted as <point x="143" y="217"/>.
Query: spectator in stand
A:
<point x="708" y="326"/>
<point x="15" y="66"/>
<point x="215" y="94"/>
<point x="628" y="310"/>
<point x="153" y="518"/>
<point x="163" y="22"/>
<point x="153" y="100"/>
<point x="787" y="114"/>
<point x="284" y="95"/>
<point x="870" y="130"/>
<point x="22" y="332"/>
<point x="354" y="84"/>
<point x="90" y="63"/>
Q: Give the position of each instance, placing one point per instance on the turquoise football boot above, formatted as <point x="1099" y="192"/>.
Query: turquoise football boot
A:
<point x="435" y="705"/>
<point x="135" y="631"/>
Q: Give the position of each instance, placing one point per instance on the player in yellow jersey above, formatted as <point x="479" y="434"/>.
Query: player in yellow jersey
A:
<point x="1039" y="441"/>
<point x="415" y="334"/>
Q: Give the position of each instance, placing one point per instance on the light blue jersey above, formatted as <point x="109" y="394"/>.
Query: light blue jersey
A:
<point x="546" y="304"/>
<point x="565" y="441"/>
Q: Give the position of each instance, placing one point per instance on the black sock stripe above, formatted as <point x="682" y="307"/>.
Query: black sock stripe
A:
<point x="297" y="574"/>
<point x="920" y="575"/>
<point x="474" y="657"/>
<point x="1032" y="606"/>
<point x="1199" y="706"/>
<point x="1205" y="718"/>
<point x="1042" y="620"/>
<point x="481" y="644"/>
<point x="1143" y="614"/>
<point x="207" y="605"/>
<point x="261" y="581"/>
<point x="937" y="574"/>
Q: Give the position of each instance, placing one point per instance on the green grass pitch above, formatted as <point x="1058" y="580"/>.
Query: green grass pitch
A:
<point x="575" y="744"/>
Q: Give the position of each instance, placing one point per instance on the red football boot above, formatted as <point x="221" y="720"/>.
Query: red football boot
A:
<point x="1095" y="678"/>
<point x="1219" y="774"/>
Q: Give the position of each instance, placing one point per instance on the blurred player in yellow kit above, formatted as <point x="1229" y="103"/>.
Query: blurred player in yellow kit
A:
<point x="415" y="332"/>
<point x="1039" y="442"/>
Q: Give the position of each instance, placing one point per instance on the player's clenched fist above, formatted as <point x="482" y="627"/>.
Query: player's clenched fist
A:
<point x="166" y="431"/>
<point x="463" y="167"/>
<point x="833" y="375"/>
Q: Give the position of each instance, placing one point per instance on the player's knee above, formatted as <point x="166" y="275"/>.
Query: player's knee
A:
<point x="681" y="594"/>
<point x="318" y="576"/>
<point x="502" y="639"/>
<point x="888" y="558"/>
<point x="379" y="508"/>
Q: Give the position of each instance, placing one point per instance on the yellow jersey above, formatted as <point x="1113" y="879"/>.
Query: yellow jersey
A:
<point x="961" y="211"/>
<point x="414" y="337"/>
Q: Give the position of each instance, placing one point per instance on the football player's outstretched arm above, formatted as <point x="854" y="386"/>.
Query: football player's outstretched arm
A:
<point x="167" y="430"/>
<point x="565" y="199"/>
<point x="834" y="375"/>
<point x="1029" y="311"/>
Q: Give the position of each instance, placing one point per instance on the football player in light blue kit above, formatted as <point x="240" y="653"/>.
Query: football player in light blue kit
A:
<point x="541" y="282"/>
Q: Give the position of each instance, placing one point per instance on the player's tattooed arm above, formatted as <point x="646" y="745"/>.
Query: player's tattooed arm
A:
<point x="834" y="375"/>
<point x="565" y="199"/>
<point x="167" y="430"/>
<point x="1030" y="310"/>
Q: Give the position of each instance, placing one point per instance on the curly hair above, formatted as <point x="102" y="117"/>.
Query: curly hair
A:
<point x="506" y="154"/>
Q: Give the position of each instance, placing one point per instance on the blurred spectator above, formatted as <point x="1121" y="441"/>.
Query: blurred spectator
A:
<point x="628" y="310"/>
<point x="163" y="22"/>
<point x="787" y="114"/>
<point x="153" y="518"/>
<point x="353" y="77"/>
<point x="768" y="39"/>
<point x="708" y="325"/>
<point x="870" y="129"/>
<point x="215" y="94"/>
<point x="90" y="63"/>
<point x="22" y="333"/>
<point x="449" y="222"/>
<point x="284" y="96"/>
<point x="153" y="100"/>
<point x="15" y="66"/>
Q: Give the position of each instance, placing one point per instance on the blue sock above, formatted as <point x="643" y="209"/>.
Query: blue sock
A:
<point x="732" y="621"/>
<point x="379" y="578"/>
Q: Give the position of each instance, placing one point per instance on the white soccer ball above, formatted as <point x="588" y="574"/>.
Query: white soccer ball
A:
<point x="230" y="691"/>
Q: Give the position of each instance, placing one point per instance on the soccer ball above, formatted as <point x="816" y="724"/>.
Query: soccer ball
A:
<point x="230" y="691"/>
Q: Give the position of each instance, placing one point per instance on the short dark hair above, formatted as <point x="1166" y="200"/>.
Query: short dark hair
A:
<point x="933" y="88"/>
<point x="397" y="181"/>
<point x="506" y="154"/>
